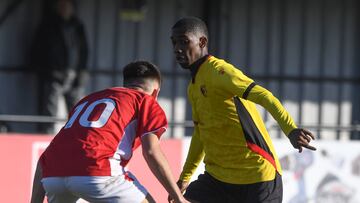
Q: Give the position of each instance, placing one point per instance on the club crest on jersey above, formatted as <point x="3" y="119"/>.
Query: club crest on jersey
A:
<point x="203" y="90"/>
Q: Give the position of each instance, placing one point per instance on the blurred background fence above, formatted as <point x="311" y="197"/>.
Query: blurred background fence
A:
<point x="306" y="52"/>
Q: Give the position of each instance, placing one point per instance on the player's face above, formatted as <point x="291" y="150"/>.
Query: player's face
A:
<point x="188" y="47"/>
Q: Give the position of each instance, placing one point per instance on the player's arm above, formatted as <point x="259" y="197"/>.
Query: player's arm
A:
<point x="194" y="157"/>
<point x="159" y="165"/>
<point x="266" y="99"/>
<point x="38" y="192"/>
<point x="235" y="82"/>
<point x="196" y="151"/>
<point x="298" y="137"/>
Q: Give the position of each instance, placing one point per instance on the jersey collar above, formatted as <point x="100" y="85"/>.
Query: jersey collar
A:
<point x="196" y="65"/>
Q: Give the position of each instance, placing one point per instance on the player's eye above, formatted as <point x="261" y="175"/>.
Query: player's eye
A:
<point x="184" y="41"/>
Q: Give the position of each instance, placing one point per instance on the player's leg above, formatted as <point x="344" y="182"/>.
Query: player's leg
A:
<point x="51" y="92"/>
<point x="73" y="95"/>
<point x="205" y="189"/>
<point x="262" y="192"/>
<point x="273" y="192"/>
<point x="56" y="192"/>
<point x="75" y="87"/>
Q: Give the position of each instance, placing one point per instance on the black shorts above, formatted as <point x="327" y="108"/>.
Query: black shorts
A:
<point x="207" y="189"/>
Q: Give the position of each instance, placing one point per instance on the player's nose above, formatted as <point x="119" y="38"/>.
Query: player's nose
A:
<point x="178" y="50"/>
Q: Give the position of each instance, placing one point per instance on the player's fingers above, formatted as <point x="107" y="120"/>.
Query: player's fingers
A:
<point x="304" y="137"/>
<point x="183" y="188"/>
<point x="304" y="140"/>
<point x="309" y="138"/>
<point x="310" y="147"/>
<point x="170" y="200"/>
<point x="304" y="143"/>
<point x="309" y="133"/>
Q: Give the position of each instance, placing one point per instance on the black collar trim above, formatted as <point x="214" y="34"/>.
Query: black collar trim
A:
<point x="196" y="65"/>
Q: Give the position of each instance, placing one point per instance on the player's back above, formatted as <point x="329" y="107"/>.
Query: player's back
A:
<point x="87" y="144"/>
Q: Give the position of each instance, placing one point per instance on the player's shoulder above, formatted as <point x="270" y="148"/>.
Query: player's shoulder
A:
<point x="117" y="93"/>
<point x="221" y="67"/>
<point x="136" y="96"/>
<point x="219" y="64"/>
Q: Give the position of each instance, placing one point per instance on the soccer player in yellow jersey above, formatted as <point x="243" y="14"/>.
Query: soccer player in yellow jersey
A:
<point x="240" y="161"/>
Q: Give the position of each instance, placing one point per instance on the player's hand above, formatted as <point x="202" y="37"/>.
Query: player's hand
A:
<point x="182" y="186"/>
<point x="300" y="138"/>
<point x="183" y="200"/>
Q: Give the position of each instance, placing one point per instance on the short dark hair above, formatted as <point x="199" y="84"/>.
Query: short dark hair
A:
<point x="192" y="24"/>
<point x="141" y="70"/>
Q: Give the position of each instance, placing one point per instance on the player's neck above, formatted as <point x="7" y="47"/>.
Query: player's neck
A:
<point x="136" y="87"/>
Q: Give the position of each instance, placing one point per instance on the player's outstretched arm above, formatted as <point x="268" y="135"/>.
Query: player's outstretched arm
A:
<point x="300" y="138"/>
<point x="38" y="192"/>
<point x="159" y="166"/>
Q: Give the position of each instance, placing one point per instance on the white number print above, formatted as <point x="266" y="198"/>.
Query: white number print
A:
<point x="84" y="118"/>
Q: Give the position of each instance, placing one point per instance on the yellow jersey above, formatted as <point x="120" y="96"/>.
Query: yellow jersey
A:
<point x="229" y="134"/>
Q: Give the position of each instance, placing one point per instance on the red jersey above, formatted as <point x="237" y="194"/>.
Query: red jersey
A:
<point x="102" y="132"/>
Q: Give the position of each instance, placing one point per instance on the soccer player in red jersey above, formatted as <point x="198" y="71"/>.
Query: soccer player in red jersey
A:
<point x="87" y="158"/>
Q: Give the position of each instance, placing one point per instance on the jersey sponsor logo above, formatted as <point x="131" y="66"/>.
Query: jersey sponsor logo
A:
<point x="203" y="90"/>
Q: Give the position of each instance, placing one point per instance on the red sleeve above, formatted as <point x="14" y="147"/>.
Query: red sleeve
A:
<point x="151" y="118"/>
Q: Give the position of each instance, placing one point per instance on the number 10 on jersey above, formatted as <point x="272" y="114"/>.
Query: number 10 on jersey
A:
<point x="84" y="118"/>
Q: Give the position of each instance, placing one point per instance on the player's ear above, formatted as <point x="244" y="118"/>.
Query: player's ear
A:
<point x="155" y="93"/>
<point x="203" y="42"/>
